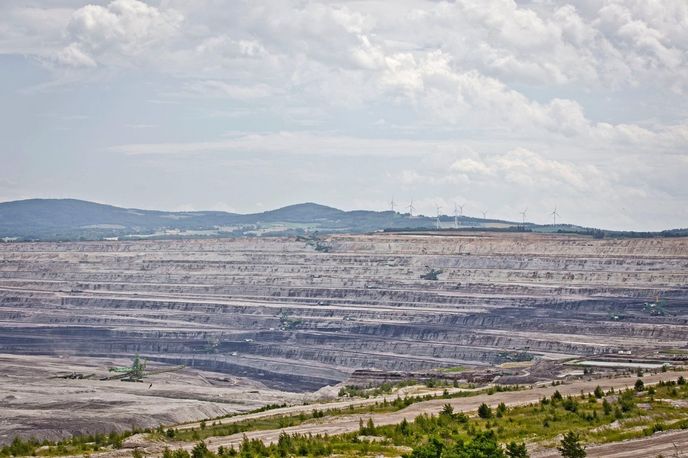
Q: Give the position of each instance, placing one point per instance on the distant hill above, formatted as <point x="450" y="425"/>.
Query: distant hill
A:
<point x="300" y="213"/>
<point x="71" y="219"/>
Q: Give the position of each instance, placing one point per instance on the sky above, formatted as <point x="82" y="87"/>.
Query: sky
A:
<point x="494" y="105"/>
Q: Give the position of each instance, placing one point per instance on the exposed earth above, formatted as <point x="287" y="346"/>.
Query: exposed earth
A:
<point x="36" y="402"/>
<point x="268" y="320"/>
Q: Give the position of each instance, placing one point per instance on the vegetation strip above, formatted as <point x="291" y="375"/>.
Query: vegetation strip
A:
<point x="565" y="422"/>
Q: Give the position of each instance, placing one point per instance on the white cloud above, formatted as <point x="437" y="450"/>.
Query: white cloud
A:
<point x="610" y="43"/>
<point x="295" y="143"/>
<point x="119" y="31"/>
<point x="216" y="88"/>
<point x="524" y="167"/>
<point x="471" y="166"/>
<point x="73" y="56"/>
<point x="540" y="95"/>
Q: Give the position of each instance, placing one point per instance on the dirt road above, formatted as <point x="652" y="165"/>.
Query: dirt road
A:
<point x="293" y="410"/>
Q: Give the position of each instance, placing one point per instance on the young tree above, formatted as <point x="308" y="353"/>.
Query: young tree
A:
<point x="606" y="406"/>
<point x="433" y="449"/>
<point x="368" y="429"/>
<point x="570" y="404"/>
<point x="639" y="385"/>
<point x="571" y="447"/>
<point x="483" y="445"/>
<point x="514" y="450"/>
<point x="404" y="427"/>
<point x="484" y="411"/>
<point x="627" y="401"/>
<point x="447" y="410"/>
<point x="200" y="451"/>
<point x="181" y="453"/>
<point x="599" y="393"/>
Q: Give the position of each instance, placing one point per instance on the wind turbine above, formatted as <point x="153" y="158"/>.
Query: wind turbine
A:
<point x="411" y="208"/>
<point x="438" y="215"/>
<point x="485" y="215"/>
<point x="554" y="216"/>
<point x="391" y="204"/>
<point x="523" y="215"/>
<point x="456" y="216"/>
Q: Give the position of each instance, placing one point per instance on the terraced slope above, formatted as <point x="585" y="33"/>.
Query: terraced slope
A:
<point x="296" y="314"/>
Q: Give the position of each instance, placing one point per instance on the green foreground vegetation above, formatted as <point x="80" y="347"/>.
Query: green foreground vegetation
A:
<point x="85" y="444"/>
<point x="501" y="432"/>
<point x="591" y="418"/>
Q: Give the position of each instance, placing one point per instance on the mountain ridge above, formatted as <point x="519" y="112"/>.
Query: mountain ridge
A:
<point x="75" y="219"/>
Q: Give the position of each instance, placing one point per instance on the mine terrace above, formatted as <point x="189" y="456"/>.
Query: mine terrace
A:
<point x="257" y="321"/>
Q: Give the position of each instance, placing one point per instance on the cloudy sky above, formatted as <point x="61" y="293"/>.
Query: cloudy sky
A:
<point x="248" y="105"/>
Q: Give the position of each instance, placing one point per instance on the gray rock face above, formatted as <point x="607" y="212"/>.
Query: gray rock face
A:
<point x="298" y="315"/>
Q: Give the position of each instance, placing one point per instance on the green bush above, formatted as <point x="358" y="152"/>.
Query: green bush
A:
<point x="484" y="411"/>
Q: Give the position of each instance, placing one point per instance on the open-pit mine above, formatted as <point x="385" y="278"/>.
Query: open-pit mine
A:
<point x="275" y="320"/>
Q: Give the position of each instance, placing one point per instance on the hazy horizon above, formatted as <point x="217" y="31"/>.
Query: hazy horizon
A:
<point x="446" y="216"/>
<point x="250" y="106"/>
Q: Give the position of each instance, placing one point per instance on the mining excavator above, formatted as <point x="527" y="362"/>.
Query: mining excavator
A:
<point x="656" y="308"/>
<point x="431" y="274"/>
<point x="74" y="376"/>
<point x="137" y="371"/>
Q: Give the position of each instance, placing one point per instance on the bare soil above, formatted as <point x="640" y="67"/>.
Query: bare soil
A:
<point x="37" y="404"/>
